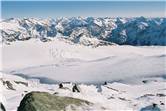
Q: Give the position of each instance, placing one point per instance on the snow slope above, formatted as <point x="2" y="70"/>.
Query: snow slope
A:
<point x="60" y="61"/>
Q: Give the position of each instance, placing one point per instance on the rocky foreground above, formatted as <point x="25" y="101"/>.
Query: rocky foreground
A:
<point x="19" y="94"/>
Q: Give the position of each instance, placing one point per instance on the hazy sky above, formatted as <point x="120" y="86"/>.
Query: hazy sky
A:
<point x="53" y="9"/>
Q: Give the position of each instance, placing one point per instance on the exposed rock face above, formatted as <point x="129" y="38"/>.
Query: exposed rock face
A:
<point x="42" y="101"/>
<point x="2" y="108"/>
<point x="8" y="85"/>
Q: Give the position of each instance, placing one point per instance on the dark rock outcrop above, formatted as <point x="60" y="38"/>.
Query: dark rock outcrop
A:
<point x="2" y="108"/>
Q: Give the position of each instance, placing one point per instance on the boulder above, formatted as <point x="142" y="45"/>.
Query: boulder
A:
<point x="152" y="107"/>
<point x="43" y="101"/>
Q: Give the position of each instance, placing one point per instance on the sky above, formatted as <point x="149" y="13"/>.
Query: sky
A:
<point x="54" y="9"/>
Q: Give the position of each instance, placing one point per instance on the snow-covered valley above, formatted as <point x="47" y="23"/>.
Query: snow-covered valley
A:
<point x="135" y="75"/>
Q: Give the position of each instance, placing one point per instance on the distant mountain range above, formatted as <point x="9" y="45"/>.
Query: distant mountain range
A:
<point x="87" y="31"/>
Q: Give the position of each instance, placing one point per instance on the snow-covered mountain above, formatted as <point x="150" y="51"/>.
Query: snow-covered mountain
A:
<point x="113" y="77"/>
<point x="87" y="31"/>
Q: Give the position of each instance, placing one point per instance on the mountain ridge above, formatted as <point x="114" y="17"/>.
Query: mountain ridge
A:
<point x="88" y="31"/>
